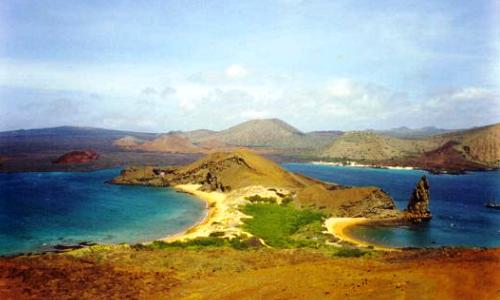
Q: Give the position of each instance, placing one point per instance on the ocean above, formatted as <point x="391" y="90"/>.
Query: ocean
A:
<point x="40" y="210"/>
<point x="457" y="205"/>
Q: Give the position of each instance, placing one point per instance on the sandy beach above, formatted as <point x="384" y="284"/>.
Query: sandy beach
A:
<point x="222" y="211"/>
<point x="338" y="226"/>
<point x="221" y="215"/>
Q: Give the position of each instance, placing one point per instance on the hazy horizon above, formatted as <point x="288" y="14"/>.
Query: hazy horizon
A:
<point x="231" y="125"/>
<point x="160" y="66"/>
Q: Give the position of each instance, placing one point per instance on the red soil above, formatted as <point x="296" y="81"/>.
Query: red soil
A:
<point x="77" y="157"/>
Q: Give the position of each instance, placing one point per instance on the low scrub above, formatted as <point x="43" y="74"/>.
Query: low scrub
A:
<point x="259" y="199"/>
<point x="350" y="252"/>
<point x="240" y="243"/>
<point x="283" y="226"/>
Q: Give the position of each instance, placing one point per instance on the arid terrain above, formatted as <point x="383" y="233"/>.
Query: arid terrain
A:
<point x="471" y="149"/>
<point x="262" y="273"/>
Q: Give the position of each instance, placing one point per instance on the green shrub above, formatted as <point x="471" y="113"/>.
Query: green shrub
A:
<point x="203" y="242"/>
<point x="350" y="252"/>
<point x="216" y="234"/>
<point x="258" y="198"/>
<point x="286" y="200"/>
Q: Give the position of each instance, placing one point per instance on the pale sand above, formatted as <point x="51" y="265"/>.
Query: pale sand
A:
<point x="222" y="213"/>
<point x="213" y="212"/>
<point x="338" y="226"/>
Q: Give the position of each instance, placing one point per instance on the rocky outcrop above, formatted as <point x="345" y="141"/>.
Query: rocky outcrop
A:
<point x="418" y="206"/>
<point x="451" y="157"/>
<point x="229" y="171"/>
<point x="77" y="157"/>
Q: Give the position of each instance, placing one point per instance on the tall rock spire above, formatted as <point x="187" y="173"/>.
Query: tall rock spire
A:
<point x="418" y="206"/>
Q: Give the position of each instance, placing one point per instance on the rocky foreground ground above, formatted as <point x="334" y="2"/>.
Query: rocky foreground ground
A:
<point x="261" y="273"/>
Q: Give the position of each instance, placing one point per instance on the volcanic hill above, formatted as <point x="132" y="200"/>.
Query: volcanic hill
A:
<point x="267" y="133"/>
<point x="77" y="157"/>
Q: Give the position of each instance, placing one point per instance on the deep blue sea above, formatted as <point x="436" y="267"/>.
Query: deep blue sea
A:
<point x="457" y="204"/>
<point x="39" y="210"/>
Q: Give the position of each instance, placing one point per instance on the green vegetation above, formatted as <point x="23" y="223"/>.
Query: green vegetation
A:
<point x="284" y="226"/>
<point x="258" y="198"/>
<point x="240" y="243"/>
<point x="287" y="199"/>
<point x="350" y="252"/>
<point x="216" y="234"/>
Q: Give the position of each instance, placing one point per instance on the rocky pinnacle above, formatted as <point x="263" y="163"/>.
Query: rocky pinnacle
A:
<point x="418" y="206"/>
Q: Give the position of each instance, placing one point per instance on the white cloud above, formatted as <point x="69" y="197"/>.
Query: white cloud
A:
<point x="228" y="96"/>
<point x="254" y="114"/>
<point x="149" y="91"/>
<point x="473" y="93"/>
<point x="236" y="71"/>
<point x="341" y="87"/>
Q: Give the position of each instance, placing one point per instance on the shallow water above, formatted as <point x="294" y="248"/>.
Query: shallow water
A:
<point x="39" y="210"/>
<point x="457" y="204"/>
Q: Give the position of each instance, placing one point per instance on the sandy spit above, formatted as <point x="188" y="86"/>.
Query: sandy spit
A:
<point x="338" y="226"/>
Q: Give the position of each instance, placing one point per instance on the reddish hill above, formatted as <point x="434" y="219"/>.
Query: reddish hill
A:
<point x="77" y="157"/>
<point x="174" y="142"/>
<point x="128" y="142"/>
<point x="449" y="156"/>
<point x="214" y="144"/>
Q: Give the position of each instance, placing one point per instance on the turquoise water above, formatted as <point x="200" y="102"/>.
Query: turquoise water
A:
<point x="39" y="210"/>
<point x="457" y="205"/>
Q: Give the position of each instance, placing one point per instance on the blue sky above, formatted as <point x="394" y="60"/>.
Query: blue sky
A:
<point x="180" y="65"/>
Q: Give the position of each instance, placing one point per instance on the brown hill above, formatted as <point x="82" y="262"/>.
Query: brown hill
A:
<point x="370" y="146"/>
<point x="471" y="149"/>
<point x="173" y="143"/>
<point x="199" y="134"/>
<point x="77" y="157"/>
<point x="268" y="133"/>
<point x="449" y="156"/>
<point x="480" y="144"/>
<point x="213" y="144"/>
<point x="128" y="142"/>
<point x="228" y="171"/>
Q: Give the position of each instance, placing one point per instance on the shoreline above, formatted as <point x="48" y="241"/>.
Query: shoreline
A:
<point x="358" y="165"/>
<point x="201" y="226"/>
<point x="403" y="168"/>
<point x="337" y="227"/>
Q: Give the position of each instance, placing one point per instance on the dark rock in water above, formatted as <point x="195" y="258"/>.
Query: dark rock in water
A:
<point x="418" y="207"/>
<point x="64" y="248"/>
<point x="77" y="157"/>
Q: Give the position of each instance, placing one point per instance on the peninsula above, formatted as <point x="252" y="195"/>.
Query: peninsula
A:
<point x="230" y="180"/>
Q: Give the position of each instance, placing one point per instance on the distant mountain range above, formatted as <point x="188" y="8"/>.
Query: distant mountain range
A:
<point x="402" y="146"/>
<point x="266" y="133"/>
<point x="474" y="148"/>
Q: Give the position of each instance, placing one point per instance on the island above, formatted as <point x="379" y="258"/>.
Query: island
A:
<point x="77" y="157"/>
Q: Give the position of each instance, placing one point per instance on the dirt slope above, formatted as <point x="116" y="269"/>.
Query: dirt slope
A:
<point x="252" y="274"/>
